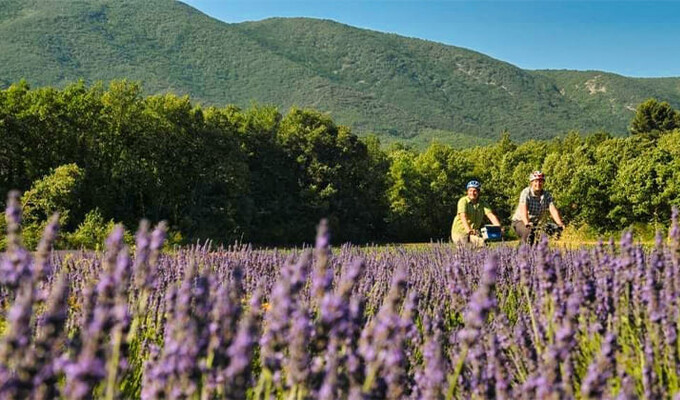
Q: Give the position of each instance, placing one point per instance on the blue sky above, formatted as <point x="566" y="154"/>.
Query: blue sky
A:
<point x="631" y="38"/>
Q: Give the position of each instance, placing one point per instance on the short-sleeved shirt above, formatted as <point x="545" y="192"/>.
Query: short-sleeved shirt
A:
<point x="474" y="214"/>
<point x="536" y="205"/>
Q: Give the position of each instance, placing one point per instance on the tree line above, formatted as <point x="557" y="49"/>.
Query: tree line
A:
<point x="99" y="155"/>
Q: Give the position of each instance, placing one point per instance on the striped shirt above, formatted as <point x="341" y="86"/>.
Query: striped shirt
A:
<point x="536" y="205"/>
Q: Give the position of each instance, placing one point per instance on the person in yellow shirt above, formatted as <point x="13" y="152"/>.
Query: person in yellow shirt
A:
<point x="470" y="217"/>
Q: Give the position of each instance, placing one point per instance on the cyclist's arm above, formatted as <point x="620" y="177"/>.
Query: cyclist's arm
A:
<point x="494" y="220"/>
<point x="524" y="213"/>
<point x="555" y="214"/>
<point x="466" y="225"/>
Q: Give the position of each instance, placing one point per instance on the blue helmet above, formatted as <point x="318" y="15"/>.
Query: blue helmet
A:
<point x="474" y="184"/>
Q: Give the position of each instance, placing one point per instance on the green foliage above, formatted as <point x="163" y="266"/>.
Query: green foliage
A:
<point x="271" y="172"/>
<point x="256" y="175"/>
<point x="336" y="175"/>
<point x="93" y="231"/>
<point x="425" y="190"/>
<point x="654" y="116"/>
<point x="404" y="195"/>
<point x="600" y="184"/>
<point x="157" y="157"/>
<point x="638" y="188"/>
<point x="58" y="192"/>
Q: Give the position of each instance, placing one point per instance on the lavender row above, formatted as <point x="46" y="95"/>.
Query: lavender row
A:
<point x="322" y="322"/>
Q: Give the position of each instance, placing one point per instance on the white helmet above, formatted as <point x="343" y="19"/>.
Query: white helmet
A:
<point x="536" y="175"/>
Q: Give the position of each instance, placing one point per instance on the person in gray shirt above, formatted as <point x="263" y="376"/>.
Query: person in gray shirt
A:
<point x="532" y="207"/>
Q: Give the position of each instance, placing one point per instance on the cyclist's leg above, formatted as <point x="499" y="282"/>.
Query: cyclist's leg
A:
<point x="553" y="230"/>
<point x="522" y="231"/>
<point x="477" y="241"/>
<point x="533" y="236"/>
<point x="460" y="240"/>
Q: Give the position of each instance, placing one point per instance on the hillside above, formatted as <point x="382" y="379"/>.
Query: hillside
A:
<point x="400" y="88"/>
<point x="611" y="99"/>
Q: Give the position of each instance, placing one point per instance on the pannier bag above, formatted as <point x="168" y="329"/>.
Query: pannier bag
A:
<point x="491" y="233"/>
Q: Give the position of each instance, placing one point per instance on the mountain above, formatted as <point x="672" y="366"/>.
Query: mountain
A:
<point x="399" y="88"/>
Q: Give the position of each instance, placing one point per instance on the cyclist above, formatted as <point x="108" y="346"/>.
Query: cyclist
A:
<point x="470" y="217"/>
<point x="533" y="204"/>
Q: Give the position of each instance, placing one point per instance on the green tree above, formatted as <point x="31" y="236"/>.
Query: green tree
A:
<point x="406" y="195"/>
<point x="654" y="116"/>
<point x="333" y="169"/>
<point x="494" y="166"/>
<point x="638" y="190"/>
<point x="445" y="173"/>
<point x="273" y="203"/>
<point x="194" y="166"/>
<point x="92" y="232"/>
<point x="58" y="192"/>
<point x="670" y="171"/>
<point x="14" y="151"/>
<point x="374" y="167"/>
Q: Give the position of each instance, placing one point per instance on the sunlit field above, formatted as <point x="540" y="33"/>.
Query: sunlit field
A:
<point x="418" y="321"/>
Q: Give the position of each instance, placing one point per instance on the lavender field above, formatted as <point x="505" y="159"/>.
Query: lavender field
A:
<point x="347" y="322"/>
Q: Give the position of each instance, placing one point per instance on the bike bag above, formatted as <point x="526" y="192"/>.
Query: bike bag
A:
<point x="491" y="233"/>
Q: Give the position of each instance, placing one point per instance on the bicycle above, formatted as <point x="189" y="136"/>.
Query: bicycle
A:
<point x="552" y="230"/>
<point x="491" y="233"/>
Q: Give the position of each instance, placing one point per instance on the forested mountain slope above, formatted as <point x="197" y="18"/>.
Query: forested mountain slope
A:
<point x="400" y="88"/>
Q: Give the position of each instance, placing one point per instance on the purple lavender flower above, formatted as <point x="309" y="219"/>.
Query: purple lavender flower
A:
<point x="226" y="312"/>
<point x="649" y="377"/>
<point x="42" y="268"/>
<point x="498" y="373"/>
<point x="13" y="212"/>
<point x="15" y="349"/>
<point x="362" y="338"/>
<point x="157" y="372"/>
<point x="595" y="381"/>
<point x="653" y="286"/>
<point x="141" y="270"/>
<point x="526" y="343"/>
<point x="50" y="329"/>
<point x="551" y="374"/>
<point x="433" y="379"/>
<point x="381" y="344"/>
<point x="298" y="361"/>
<point x="483" y="301"/>
<point x="15" y="265"/>
<point x="123" y="271"/>
<point x="157" y="240"/>
<point x="83" y="376"/>
<point x="277" y="321"/>
<point x="330" y="388"/>
<point x="354" y="360"/>
<point x="546" y="268"/>
<point x="627" y="391"/>
<point x="114" y="244"/>
<point x="241" y="352"/>
<point x="322" y="277"/>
